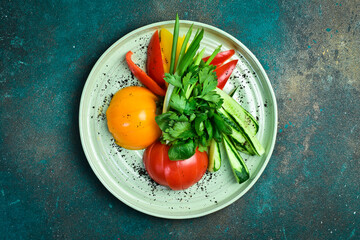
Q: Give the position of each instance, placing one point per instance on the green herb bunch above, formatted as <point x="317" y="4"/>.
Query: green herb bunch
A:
<point x="192" y="120"/>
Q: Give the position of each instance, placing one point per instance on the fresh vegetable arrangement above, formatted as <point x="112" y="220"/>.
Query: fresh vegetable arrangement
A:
<point x="198" y="119"/>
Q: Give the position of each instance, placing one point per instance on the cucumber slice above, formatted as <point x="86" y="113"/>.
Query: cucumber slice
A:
<point x="240" y="116"/>
<point x="214" y="156"/>
<point x="254" y="121"/>
<point x="238" y="165"/>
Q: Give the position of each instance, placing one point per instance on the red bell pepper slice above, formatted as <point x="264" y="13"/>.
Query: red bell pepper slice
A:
<point x="154" y="64"/>
<point x="224" y="72"/>
<point x="143" y="77"/>
<point x="221" y="57"/>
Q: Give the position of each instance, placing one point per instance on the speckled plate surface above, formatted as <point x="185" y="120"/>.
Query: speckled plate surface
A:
<point x="122" y="171"/>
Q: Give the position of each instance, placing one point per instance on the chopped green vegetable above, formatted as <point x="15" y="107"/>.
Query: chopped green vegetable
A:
<point x="174" y="44"/>
<point x="217" y="50"/>
<point x="185" y="42"/>
<point x="214" y="156"/>
<point x="188" y="57"/>
<point x="198" y="57"/>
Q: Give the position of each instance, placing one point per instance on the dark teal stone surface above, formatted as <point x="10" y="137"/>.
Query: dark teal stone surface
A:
<point x="310" y="188"/>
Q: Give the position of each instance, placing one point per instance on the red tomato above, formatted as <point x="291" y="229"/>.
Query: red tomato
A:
<point x="177" y="175"/>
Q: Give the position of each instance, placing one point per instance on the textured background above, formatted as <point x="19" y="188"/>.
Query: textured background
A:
<point x="309" y="190"/>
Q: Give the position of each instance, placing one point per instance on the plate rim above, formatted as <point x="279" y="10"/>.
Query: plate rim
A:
<point x="82" y="119"/>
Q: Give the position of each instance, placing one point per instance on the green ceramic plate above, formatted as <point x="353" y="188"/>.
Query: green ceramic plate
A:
<point x="122" y="172"/>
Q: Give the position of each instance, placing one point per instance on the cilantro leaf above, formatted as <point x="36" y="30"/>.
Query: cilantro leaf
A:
<point x="178" y="102"/>
<point x="173" y="79"/>
<point x="203" y="141"/>
<point x="167" y="137"/>
<point x="221" y="125"/>
<point x="208" y="86"/>
<point x="181" y="118"/>
<point x="190" y="106"/>
<point x="213" y="97"/>
<point x="192" y="117"/>
<point x="199" y="124"/>
<point x="162" y="120"/>
<point x="209" y="129"/>
<point x="187" y="135"/>
<point x="203" y="74"/>
<point x="182" y="150"/>
<point x="209" y="83"/>
<point x="202" y="148"/>
<point x="186" y="80"/>
<point x="179" y="128"/>
<point x="217" y="135"/>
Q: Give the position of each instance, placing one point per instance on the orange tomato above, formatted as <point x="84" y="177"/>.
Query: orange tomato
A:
<point x="131" y="118"/>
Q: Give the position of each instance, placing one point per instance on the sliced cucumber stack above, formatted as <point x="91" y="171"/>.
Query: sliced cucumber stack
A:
<point x="237" y="135"/>
<point x="245" y="123"/>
